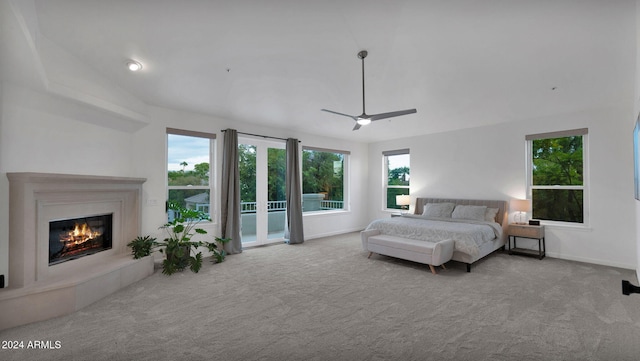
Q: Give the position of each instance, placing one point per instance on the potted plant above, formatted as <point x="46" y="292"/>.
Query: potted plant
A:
<point x="178" y="247"/>
<point x="180" y="251"/>
<point x="142" y="246"/>
<point x="217" y="249"/>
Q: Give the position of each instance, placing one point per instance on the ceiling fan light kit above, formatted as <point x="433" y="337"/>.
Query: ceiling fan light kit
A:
<point x="133" y="65"/>
<point x="364" y="119"/>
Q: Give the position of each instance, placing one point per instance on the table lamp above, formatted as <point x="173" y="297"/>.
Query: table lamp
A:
<point x="403" y="200"/>
<point x="522" y="206"/>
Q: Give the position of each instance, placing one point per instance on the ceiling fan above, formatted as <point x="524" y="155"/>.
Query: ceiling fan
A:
<point x="364" y="119"/>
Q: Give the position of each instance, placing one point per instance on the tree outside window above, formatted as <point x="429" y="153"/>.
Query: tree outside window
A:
<point x="397" y="173"/>
<point x="276" y="168"/>
<point x="323" y="180"/>
<point x="557" y="180"/>
<point x="247" y="172"/>
<point x="322" y="177"/>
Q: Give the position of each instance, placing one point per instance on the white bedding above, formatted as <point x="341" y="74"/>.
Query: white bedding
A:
<point x="468" y="235"/>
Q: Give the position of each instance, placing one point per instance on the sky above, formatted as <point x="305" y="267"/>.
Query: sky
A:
<point x="399" y="161"/>
<point x="192" y="150"/>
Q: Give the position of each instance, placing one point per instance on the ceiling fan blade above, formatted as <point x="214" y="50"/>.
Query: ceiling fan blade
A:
<point x="345" y="115"/>
<point x="392" y="114"/>
<point x="365" y="119"/>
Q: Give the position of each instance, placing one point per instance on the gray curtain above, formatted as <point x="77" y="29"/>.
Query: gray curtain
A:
<point x="230" y="199"/>
<point x="293" y="230"/>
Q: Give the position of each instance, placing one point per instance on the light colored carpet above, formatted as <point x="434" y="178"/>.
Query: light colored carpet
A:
<point x="324" y="300"/>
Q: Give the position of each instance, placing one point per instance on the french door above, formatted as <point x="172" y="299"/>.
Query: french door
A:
<point x="262" y="191"/>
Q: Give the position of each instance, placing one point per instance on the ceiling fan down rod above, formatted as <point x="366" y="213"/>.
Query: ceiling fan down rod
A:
<point x="362" y="55"/>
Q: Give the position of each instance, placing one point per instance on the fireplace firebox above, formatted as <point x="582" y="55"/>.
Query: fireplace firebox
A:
<point x="70" y="239"/>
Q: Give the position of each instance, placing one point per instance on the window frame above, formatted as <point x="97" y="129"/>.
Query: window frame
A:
<point x="584" y="133"/>
<point x="385" y="177"/>
<point x="346" y="156"/>
<point x="211" y="187"/>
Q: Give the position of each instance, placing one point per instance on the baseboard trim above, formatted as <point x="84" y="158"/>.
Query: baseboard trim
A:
<point x="592" y="261"/>
<point x="329" y="234"/>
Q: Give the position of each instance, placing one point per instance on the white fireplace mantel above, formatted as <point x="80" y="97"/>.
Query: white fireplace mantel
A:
<point x="35" y="199"/>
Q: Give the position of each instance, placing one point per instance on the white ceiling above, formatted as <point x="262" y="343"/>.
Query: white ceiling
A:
<point x="460" y="63"/>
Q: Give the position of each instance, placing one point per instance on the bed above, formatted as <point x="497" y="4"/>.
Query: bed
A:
<point x="477" y="226"/>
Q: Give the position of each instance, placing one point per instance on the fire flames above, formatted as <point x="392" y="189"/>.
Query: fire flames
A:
<point x="80" y="234"/>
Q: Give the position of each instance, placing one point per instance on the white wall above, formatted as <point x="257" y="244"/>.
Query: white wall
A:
<point x="489" y="163"/>
<point x="43" y="139"/>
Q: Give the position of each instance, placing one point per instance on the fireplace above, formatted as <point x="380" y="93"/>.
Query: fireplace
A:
<point x="70" y="239"/>
<point x="54" y="269"/>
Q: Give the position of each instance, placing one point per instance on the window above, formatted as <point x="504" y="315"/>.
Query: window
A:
<point x="557" y="175"/>
<point x="396" y="175"/>
<point x="189" y="156"/>
<point x="323" y="179"/>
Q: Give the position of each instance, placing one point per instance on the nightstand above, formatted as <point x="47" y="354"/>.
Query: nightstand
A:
<point x="527" y="231"/>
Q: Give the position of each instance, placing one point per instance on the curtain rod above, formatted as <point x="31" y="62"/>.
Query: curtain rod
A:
<point x="260" y="135"/>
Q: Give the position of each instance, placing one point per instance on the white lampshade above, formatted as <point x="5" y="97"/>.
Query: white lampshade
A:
<point x="521" y="205"/>
<point x="403" y="200"/>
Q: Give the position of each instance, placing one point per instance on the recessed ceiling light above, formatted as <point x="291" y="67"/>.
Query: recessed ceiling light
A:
<point x="133" y="65"/>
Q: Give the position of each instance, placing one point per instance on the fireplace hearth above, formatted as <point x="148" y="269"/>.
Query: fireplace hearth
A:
<point x="70" y="239"/>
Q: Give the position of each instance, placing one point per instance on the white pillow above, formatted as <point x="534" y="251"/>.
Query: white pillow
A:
<point x="490" y="214"/>
<point x="475" y="213"/>
<point x="438" y="210"/>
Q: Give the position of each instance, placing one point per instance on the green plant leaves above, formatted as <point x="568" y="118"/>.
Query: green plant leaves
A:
<point x="196" y="262"/>
<point x="168" y="267"/>
<point x="178" y="228"/>
<point x="178" y="246"/>
<point x="142" y="246"/>
<point x="218" y="256"/>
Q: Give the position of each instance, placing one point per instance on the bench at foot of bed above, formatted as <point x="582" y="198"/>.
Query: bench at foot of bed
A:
<point x="430" y="253"/>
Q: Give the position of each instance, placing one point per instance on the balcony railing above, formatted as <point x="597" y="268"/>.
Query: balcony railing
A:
<point x="272" y="206"/>
<point x="275" y="206"/>
<point x="331" y="205"/>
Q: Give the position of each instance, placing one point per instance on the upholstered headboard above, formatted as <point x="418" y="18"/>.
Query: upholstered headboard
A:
<point x="501" y="217"/>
